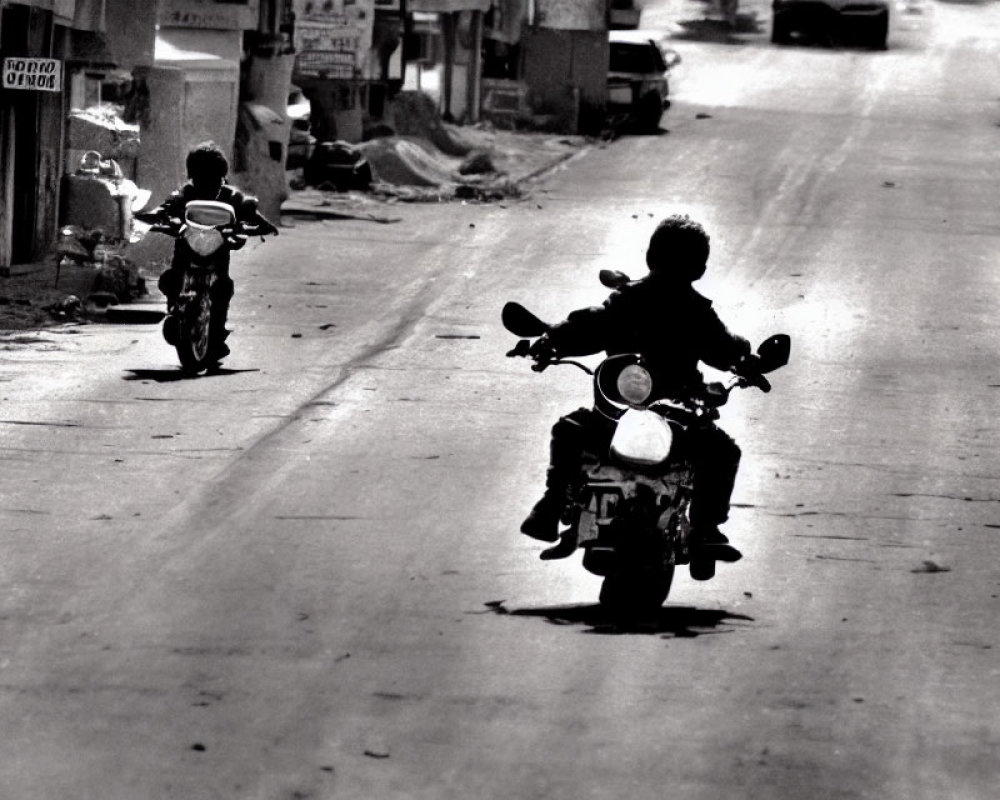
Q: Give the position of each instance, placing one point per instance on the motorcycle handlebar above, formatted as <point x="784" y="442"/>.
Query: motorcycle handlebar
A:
<point x="168" y="228"/>
<point x="523" y="350"/>
<point x="237" y="234"/>
<point x="721" y="393"/>
<point x="244" y="229"/>
<point x="753" y="379"/>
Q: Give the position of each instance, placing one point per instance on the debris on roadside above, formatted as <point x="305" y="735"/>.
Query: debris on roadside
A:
<point x="423" y="159"/>
<point x="479" y="162"/>
<point x="68" y="307"/>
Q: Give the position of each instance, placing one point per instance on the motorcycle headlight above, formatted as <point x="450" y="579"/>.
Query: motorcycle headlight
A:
<point x="204" y="241"/>
<point x="635" y="384"/>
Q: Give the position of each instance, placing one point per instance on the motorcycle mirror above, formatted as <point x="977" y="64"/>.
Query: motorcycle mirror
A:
<point x="614" y="279"/>
<point x="521" y="322"/>
<point x="774" y="352"/>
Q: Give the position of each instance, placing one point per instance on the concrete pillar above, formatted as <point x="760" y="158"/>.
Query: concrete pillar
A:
<point x="265" y="144"/>
<point x="160" y="165"/>
<point x="475" y="84"/>
<point x="6" y="189"/>
<point x="448" y="26"/>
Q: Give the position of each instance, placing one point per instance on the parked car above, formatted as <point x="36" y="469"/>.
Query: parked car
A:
<point x="301" y="142"/>
<point x="638" y="85"/>
<point x="837" y="20"/>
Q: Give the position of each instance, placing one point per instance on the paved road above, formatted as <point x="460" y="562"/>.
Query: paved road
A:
<point x="301" y="578"/>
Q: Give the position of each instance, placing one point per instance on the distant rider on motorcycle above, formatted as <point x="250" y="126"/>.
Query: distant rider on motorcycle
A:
<point x="207" y="168"/>
<point x="663" y="318"/>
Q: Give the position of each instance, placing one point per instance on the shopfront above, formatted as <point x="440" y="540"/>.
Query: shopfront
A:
<point x="31" y="123"/>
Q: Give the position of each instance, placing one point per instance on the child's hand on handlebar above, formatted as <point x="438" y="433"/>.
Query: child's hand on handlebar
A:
<point x="542" y="350"/>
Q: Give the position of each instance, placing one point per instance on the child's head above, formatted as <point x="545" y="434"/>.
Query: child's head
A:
<point x="207" y="168"/>
<point x="678" y="249"/>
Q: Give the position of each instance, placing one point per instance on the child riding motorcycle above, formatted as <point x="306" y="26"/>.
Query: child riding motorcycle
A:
<point x="207" y="168"/>
<point x="673" y="327"/>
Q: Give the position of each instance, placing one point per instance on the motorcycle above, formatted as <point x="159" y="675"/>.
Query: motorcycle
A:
<point x="629" y="512"/>
<point x="208" y="231"/>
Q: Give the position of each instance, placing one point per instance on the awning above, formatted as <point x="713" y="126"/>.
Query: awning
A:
<point x="448" y="6"/>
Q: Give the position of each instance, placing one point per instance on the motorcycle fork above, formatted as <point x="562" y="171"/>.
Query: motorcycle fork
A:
<point x="196" y="295"/>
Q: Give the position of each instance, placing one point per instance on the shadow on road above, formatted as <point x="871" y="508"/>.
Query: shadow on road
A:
<point x="177" y="374"/>
<point x="670" y="621"/>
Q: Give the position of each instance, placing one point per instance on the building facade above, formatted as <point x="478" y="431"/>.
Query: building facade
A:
<point x="138" y="82"/>
<point x="54" y="54"/>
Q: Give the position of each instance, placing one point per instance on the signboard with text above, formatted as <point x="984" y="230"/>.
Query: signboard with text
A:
<point x="328" y="49"/>
<point x="332" y="38"/>
<point x="33" y="74"/>
<point x="209" y="14"/>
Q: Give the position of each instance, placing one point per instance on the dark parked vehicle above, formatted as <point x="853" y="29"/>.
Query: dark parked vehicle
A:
<point x="831" y="20"/>
<point x="339" y="166"/>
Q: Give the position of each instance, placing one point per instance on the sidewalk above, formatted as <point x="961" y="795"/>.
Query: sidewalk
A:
<point x="31" y="298"/>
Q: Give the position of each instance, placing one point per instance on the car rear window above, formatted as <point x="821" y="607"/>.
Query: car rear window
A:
<point x="626" y="57"/>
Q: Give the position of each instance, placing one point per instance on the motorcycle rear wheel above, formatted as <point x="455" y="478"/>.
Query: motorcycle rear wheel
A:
<point x="629" y="594"/>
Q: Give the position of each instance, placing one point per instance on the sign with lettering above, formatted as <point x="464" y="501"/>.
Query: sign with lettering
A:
<point x="332" y="38"/>
<point x="209" y="14"/>
<point x="330" y="50"/>
<point x="33" y="74"/>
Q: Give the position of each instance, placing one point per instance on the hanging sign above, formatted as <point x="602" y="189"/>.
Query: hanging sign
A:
<point x="208" y="14"/>
<point x="33" y="74"/>
<point x="332" y="38"/>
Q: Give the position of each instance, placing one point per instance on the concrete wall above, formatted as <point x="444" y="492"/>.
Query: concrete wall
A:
<point x="131" y="31"/>
<point x="265" y="128"/>
<point x="125" y="40"/>
<point x="193" y="97"/>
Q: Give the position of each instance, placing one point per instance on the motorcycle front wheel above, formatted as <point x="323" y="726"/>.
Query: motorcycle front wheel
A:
<point x="194" y="342"/>
<point x="629" y="594"/>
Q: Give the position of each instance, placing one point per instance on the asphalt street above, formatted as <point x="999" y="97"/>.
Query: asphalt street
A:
<point x="301" y="577"/>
